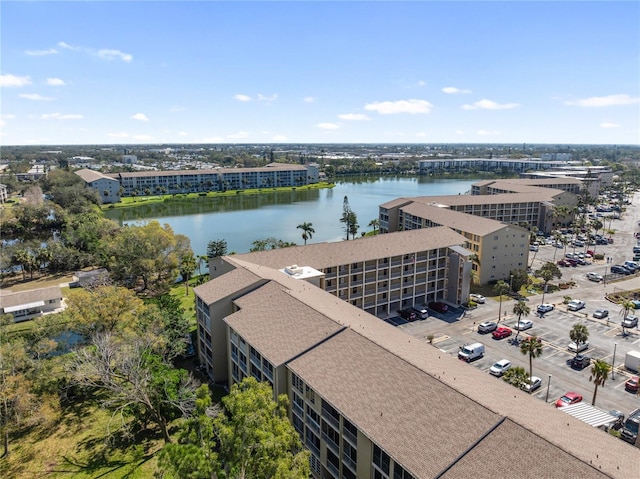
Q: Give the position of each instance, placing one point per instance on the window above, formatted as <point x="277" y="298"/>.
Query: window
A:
<point x="297" y="383"/>
<point x="381" y="459"/>
<point x="310" y="394"/>
<point x="400" y="473"/>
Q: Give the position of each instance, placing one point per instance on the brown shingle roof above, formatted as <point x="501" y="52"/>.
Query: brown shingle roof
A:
<point x="278" y="325"/>
<point x="8" y="299"/>
<point x="323" y="255"/>
<point x="226" y="285"/>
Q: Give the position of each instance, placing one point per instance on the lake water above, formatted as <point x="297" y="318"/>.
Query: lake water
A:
<point x="243" y="219"/>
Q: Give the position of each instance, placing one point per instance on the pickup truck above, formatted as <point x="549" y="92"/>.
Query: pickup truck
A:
<point x="629" y="432"/>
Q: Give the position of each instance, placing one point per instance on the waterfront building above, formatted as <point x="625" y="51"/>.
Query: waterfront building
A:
<point x="368" y="400"/>
<point x="498" y="165"/>
<point x="107" y="187"/>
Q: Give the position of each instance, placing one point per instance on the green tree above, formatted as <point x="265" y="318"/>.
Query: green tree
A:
<point x="349" y="219"/>
<point x="599" y="374"/>
<point x="255" y="437"/>
<point x="187" y="267"/>
<point x="270" y="243"/>
<point x="307" y="231"/>
<point x="547" y="273"/>
<point x="579" y="334"/>
<point x="627" y="306"/>
<point x="516" y="376"/>
<point x="520" y="309"/>
<point x="374" y="224"/>
<point x="532" y="347"/>
<point x="216" y="248"/>
<point x="518" y="279"/>
<point x="500" y="288"/>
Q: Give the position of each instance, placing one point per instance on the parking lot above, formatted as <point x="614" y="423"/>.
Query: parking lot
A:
<point x="451" y="330"/>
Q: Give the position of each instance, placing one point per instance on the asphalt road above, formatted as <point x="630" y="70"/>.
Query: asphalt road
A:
<point x="453" y="329"/>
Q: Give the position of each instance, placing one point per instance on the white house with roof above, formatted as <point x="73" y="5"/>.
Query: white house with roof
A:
<point x="31" y="304"/>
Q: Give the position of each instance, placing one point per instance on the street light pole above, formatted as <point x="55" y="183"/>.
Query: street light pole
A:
<point x="511" y="284"/>
<point x="613" y="362"/>
<point x="548" y="384"/>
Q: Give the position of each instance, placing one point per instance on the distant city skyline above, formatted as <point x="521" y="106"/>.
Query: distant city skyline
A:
<point x="175" y="72"/>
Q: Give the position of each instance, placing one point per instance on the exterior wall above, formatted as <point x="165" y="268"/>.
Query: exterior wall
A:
<point x="430" y="166"/>
<point x="107" y="188"/>
<point x="245" y="360"/>
<point x="501" y="252"/>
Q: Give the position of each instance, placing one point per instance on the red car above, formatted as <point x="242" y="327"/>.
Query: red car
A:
<point x="632" y="384"/>
<point x="569" y="398"/>
<point x="563" y="262"/>
<point x="438" y="306"/>
<point x="501" y="333"/>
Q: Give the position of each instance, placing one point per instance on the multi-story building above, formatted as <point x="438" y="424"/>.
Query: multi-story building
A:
<point x="370" y="401"/>
<point x="500" y="247"/>
<point x="487" y="164"/>
<point x="107" y="187"/>
<point x="141" y="183"/>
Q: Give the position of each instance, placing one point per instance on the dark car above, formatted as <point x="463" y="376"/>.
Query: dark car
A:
<point x="619" y="269"/>
<point x="407" y="314"/>
<point x="438" y="306"/>
<point x="580" y="361"/>
<point x="632" y="384"/>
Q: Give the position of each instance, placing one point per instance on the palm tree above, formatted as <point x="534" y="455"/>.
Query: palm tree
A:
<point x="557" y="237"/>
<point x="516" y="376"/>
<point x="627" y="306"/>
<point x="579" y="335"/>
<point x="547" y="273"/>
<point x="531" y="346"/>
<point x="500" y="288"/>
<point x="375" y="224"/>
<point x="520" y="309"/>
<point x="599" y="373"/>
<point x="307" y="231"/>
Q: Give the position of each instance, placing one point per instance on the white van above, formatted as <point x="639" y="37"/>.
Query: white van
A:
<point x="469" y="352"/>
<point x="421" y="312"/>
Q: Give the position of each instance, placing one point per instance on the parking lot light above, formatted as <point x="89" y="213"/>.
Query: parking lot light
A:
<point x="548" y="384"/>
<point x="613" y="361"/>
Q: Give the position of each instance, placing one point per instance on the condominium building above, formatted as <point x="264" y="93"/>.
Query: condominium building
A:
<point x="106" y="186"/>
<point x="145" y="183"/>
<point x="520" y="165"/>
<point x="370" y="401"/>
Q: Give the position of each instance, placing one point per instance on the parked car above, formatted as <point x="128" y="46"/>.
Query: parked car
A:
<point x="422" y="313"/>
<point x="523" y="324"/>
<point x="594" y="277"/>
<point x="533" y="247"/>
<point x="575" y="305"/>
<point x="499" y="368"/>
<point x="580" y="361"/>
<point x="569" y="398"/>
<point x="632" y="384"/>
<point x="564" y="262"/>
<point x="600" y="313"/>
<point x="487" y="327"/>
<point x="470" y="352"/>
<point x="438" y="306"/>
<point x="407" y="314"/>
<point x="631" y="266"/>
<point x="636" y="303"/>
<point x="545" y="308"/>
<point x="619" y="269"/>
<point x="578" y="348"/>
<point x="501" y="333"/>
<point x="630" y="322"/>
<point x="477" y="298"/>
<point x="532" y="384"/>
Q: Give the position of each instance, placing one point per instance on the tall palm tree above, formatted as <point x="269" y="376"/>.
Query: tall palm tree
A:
<point x="599" y="373"/>
<point x="307" y="231"/>
<point x="531" y="346"/>
<point x="547" y="273"/>
<point x="627" y="306"/>
<point x="557" y="238"/>
<point x="579" y="335"/>
<point x="500" y="288"/>
<point x="520" y="309"/>
<point x="375" y="224"/>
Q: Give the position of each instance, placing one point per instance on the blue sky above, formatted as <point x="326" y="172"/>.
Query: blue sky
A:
<point x="122" y="72"/>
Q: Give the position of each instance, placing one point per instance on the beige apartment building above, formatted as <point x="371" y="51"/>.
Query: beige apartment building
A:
<point x="500" y="247"/>
<point x="370" y="401"/>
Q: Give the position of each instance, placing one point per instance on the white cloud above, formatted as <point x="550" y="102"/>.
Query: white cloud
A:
<point x="35" y="97"/>
<point x="608" y="124"/>
<point x="353" y="116"/>
<point x="489" y="105"/>
<point x="142" y="137"/>
<point x="60" y="116"/>
<point x="239" y="135"/>
<point x="13" y="80"/>
<point x="279" y="138"/>
<point x="453" y="90"/>
<point x="67" y="46"/>
<point x="120" y="134"/>
<point x="140" y="117"/>
<point x="401" y="106"/>
<point x="241" y="97"/>
<point x="610" y="100"/>
<point x="55" y="82"/>
<point x="309" y="99"/>
<point x="271" y="98"/>
<point x="328" y="126"/>
<point x="110" y="54"/>
<point x="39" y="53"/>
<point x="183" y="133"/>
<point x="487" y="132"/>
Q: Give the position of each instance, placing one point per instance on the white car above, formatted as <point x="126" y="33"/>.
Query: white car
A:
<point x="545" y="308"/>
<point x="477" y="298"/>
<point x="575" y="305"/>
<point x="532" y="384"/>
<point x="594" y="277"/>
<point x="499" y="368"/>
<point x="523" y="324"/>
<point x="575" y="348"/>
<point x="487" y="327"/>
